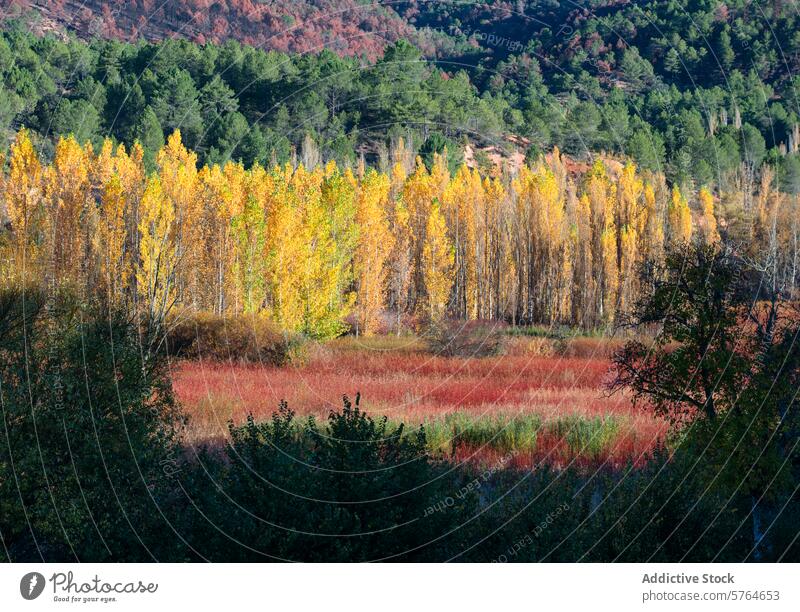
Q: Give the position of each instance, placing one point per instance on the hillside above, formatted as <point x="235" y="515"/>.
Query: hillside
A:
<point x="684" y="42"/>
<point x="347" y="27"/>
<point x="701" y="90"/>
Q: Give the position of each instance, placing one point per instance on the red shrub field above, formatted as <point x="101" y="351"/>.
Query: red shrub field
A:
<point x="561" y="398"/>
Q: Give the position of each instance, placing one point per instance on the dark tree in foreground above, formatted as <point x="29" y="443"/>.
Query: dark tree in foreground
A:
<point x="723" y="367"/>
<point x="695" y="364"/>
<point x="89" y="430"/>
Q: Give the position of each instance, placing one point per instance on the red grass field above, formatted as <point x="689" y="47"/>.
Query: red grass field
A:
<point x="406" y="384"/>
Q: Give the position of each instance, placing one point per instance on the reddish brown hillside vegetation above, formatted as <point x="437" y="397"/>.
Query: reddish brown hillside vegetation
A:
<point x="345" y="26"/>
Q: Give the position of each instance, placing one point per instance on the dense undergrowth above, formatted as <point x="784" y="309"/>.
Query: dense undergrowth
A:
<point x="97" y="472"/>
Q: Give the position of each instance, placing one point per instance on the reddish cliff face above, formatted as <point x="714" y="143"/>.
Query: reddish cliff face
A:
<point x="347" y="27"/>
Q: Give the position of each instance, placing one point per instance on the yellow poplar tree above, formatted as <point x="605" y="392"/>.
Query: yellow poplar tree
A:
<point x="680" y="218"/>
<point x="129" y="167"/>
<point x="109" y="243"/>
<point x="323" y="268"/>
<point x="177" y="171"/>
<point x="68" y="191"/>
<point x="375" y="243"/>
<point x="437" y="263"/>
<point x="500" y="264"/>
<point x="284" y="250"/>
<point x="221" y="202"/>
<point x="463" y="201"/>
<point x="631" y="217"/>
<point x="249" y="229"/>
<point x="540" y="218"/>
<point x="583" y="269"/>
<point x="709" y="221"/>
<point x="653" y="233"/>
<point x="22" y="194"/>
<point x="157" y="268"/>
<point x="305" y="246"/>
<point x="401" y="263"/>
<point x="338" y="193"/>
<point x="602" y="200"/>
<point x="419" y="192"/>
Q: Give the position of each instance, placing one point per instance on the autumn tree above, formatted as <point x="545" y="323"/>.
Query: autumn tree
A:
<point x="177" y="171"/>
<point x="109" y="243"/>
<point x="69" y="211"/>
<point x="283" y="249"/>
<point x="27" y="220"/>
<point x="708" y="221"/>
<point x="601" y="193"/>
<point x="158" y="260"/>
<point x="631" y="219"/>
<point x="249" y="235"/>
<point x="375" y="244"/>
<point x="680" y="218"/>
<point x="541" y="242"/>
<point x="463" y="202"/>
<point x="437" y="264"/>
<point x="307" y="246"/>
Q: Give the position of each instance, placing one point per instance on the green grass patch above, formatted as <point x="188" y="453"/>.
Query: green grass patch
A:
<point x="587" y="437"/>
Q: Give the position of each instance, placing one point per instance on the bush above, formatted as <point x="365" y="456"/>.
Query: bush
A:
<point x="90" y="430"/>
<point x="354" y="489"/>
<point x="247" y="338"/>
<point x="452" y="338"/>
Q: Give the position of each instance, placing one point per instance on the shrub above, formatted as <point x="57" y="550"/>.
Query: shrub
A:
<point x="352" y="489"/>
<point x="245" y="338"/>
<point x="589" y="347"/>
<point x="89" y="429"/>
<point x="452" y="338"/>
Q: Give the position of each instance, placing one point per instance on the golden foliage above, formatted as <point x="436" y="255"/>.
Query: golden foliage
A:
<point x="437" y="263"/>
<point x="309" y="246"/>
<point x="375" y="244"/>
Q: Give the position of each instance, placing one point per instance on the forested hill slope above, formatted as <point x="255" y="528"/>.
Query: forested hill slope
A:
<point x="348" y="27"/>
<point x="702" y="90"/>
<point x="684" y="41"/>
